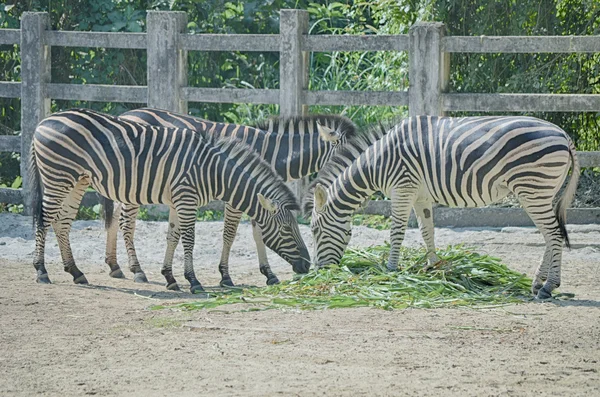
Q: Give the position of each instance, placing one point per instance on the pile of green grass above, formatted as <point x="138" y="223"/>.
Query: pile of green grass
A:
<point x="461" y="278"/>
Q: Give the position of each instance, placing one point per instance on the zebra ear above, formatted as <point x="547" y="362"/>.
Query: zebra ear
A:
<point x="328" y="134"/>
<point x="320" y="197"/>
<point x="267" y="204"/>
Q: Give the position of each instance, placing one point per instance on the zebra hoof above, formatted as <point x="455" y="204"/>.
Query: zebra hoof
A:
<point x="196" y="289"/>
<point x="392" y="268"/>
<point x="117" y="273"/>
<point x="43" y="279"/>
<point x="140" y="277"/>
<point x="272" y="280"/>
<point x="543" y="294"/>
<point x="226" y="282"/>
<point x="173" y="287"/>
<point x="80" y="280"/>
<point x="535" y="288"/>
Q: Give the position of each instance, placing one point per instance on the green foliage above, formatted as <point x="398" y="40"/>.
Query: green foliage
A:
<point x="359" y="71"/>
<point x="209" y="215"/>
<point x="528" y="73"/>
<point x="89" y="213"/>
<point x="462" y="278"/>
<point x="378" y="222"/>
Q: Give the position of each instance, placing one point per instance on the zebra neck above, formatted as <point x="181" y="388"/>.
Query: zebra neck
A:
<point x="353" y="187"/>
<point x="238" y="186"/>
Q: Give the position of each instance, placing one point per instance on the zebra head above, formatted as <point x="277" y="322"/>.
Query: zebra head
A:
<point x="280" y="232"/>
<point x="331" y="230"/>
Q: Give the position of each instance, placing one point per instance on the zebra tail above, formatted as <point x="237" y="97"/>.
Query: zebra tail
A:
<point x="568" y="194"/>
<point x="36" y="189"/>
<point x="109" y="208"/>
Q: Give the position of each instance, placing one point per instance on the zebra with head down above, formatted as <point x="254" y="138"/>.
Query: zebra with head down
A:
<point x="459" y="162"/>
<point x="140" y="164"/>
<point x="294" y="147"/>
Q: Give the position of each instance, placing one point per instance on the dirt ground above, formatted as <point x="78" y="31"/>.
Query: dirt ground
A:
<point x="63" y="339"/>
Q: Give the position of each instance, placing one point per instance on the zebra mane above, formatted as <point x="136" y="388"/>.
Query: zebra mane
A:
<point x="240" y="153"/>
<point x="343" y="158"/>
<point x="342" y="123"/>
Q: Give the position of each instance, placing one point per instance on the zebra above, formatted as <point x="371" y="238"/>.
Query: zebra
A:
<point x="139" y="164"/>
<point x="294" y="147"/>
<point x="458" y="162"/>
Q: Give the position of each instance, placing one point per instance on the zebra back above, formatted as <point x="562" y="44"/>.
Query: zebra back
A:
<point x="294" y="147"/>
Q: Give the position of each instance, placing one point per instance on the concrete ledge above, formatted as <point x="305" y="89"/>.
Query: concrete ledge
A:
<point x="488" y="217"/>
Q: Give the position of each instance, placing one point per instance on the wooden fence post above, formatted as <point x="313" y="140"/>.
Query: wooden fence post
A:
<point x="429" y="69"/>
<point x="167" y="62"/>
<point x="35" y="75"/>
<point x="293" y="70"/>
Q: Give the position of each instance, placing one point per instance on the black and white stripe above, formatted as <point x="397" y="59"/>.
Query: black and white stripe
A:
<point x="294" y="147"/>
<point x="459" y="162"/>
<point x="140" y="164"/>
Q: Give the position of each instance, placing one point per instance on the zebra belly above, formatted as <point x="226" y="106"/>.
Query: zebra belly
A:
<point x="496" y="192"/>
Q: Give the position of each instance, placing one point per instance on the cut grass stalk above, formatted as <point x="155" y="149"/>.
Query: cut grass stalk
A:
<point x="462" y="278"/>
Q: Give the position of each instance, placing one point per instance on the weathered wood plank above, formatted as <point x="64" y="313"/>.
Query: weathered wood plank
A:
<point x="428" y="69"/>
<point x="521" y="44"/>
<point x="521" y="102"/>
<point x="327" y="43"/>
<point x="230" y="95"/>
<point x="35" y="76"/>
<point x="10" y="143"/>
<point x="230" y="42"/>
<point x="374" y="98"/>
<point x="589" y="159"/>
<point x="10" y="89"/>
<point x="167" y="64"/>
<point x="10" y="36"/>
<point x="98" y="92"/>
<point x="11" y="196"/>
<point x="97" y="39"/>
<point x="484" y="217"/>
<point x="293" y="71"/>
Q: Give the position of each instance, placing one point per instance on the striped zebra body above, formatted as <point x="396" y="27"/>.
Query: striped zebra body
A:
<point x="140" y="164"/>
<point x="458" y="162"/>
<point x="294" y="148"/>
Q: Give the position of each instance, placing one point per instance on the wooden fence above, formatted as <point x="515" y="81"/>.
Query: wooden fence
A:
<point x="167" y="46"/>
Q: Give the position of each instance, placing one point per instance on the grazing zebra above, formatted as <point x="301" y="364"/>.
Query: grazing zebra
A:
<point x="140" y="164"/>
<point x="294" y="147"/>
<point x="459" y="162"/>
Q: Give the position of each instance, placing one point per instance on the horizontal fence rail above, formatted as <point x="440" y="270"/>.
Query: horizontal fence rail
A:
<point x="521" y="44"/>
<point x="97" y="39"/>
<point x="230" y="42"/>
<point x="521" y="102"/>
<point x="167" y="43"/>
<point x="328" y="43"/>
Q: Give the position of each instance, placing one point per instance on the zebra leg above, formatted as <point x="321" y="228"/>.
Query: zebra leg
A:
<point x="402" y="202"/>
<point x="263" y="262"/>
<point x="62" y="227"/>
<point x="41" y="231"/>
<point x="187" y="224"/>
<point x="230" y="225"/>
<point x="424" y="214"/>
<point x="547" y="275"/>
<point x="51" y="208"/>
<point x="172" y="240"/>
<point x="127" y="225"/>
<point x="110" y="257"/>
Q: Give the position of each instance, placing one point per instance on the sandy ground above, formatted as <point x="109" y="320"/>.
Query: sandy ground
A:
<point x="63" y="339"/>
